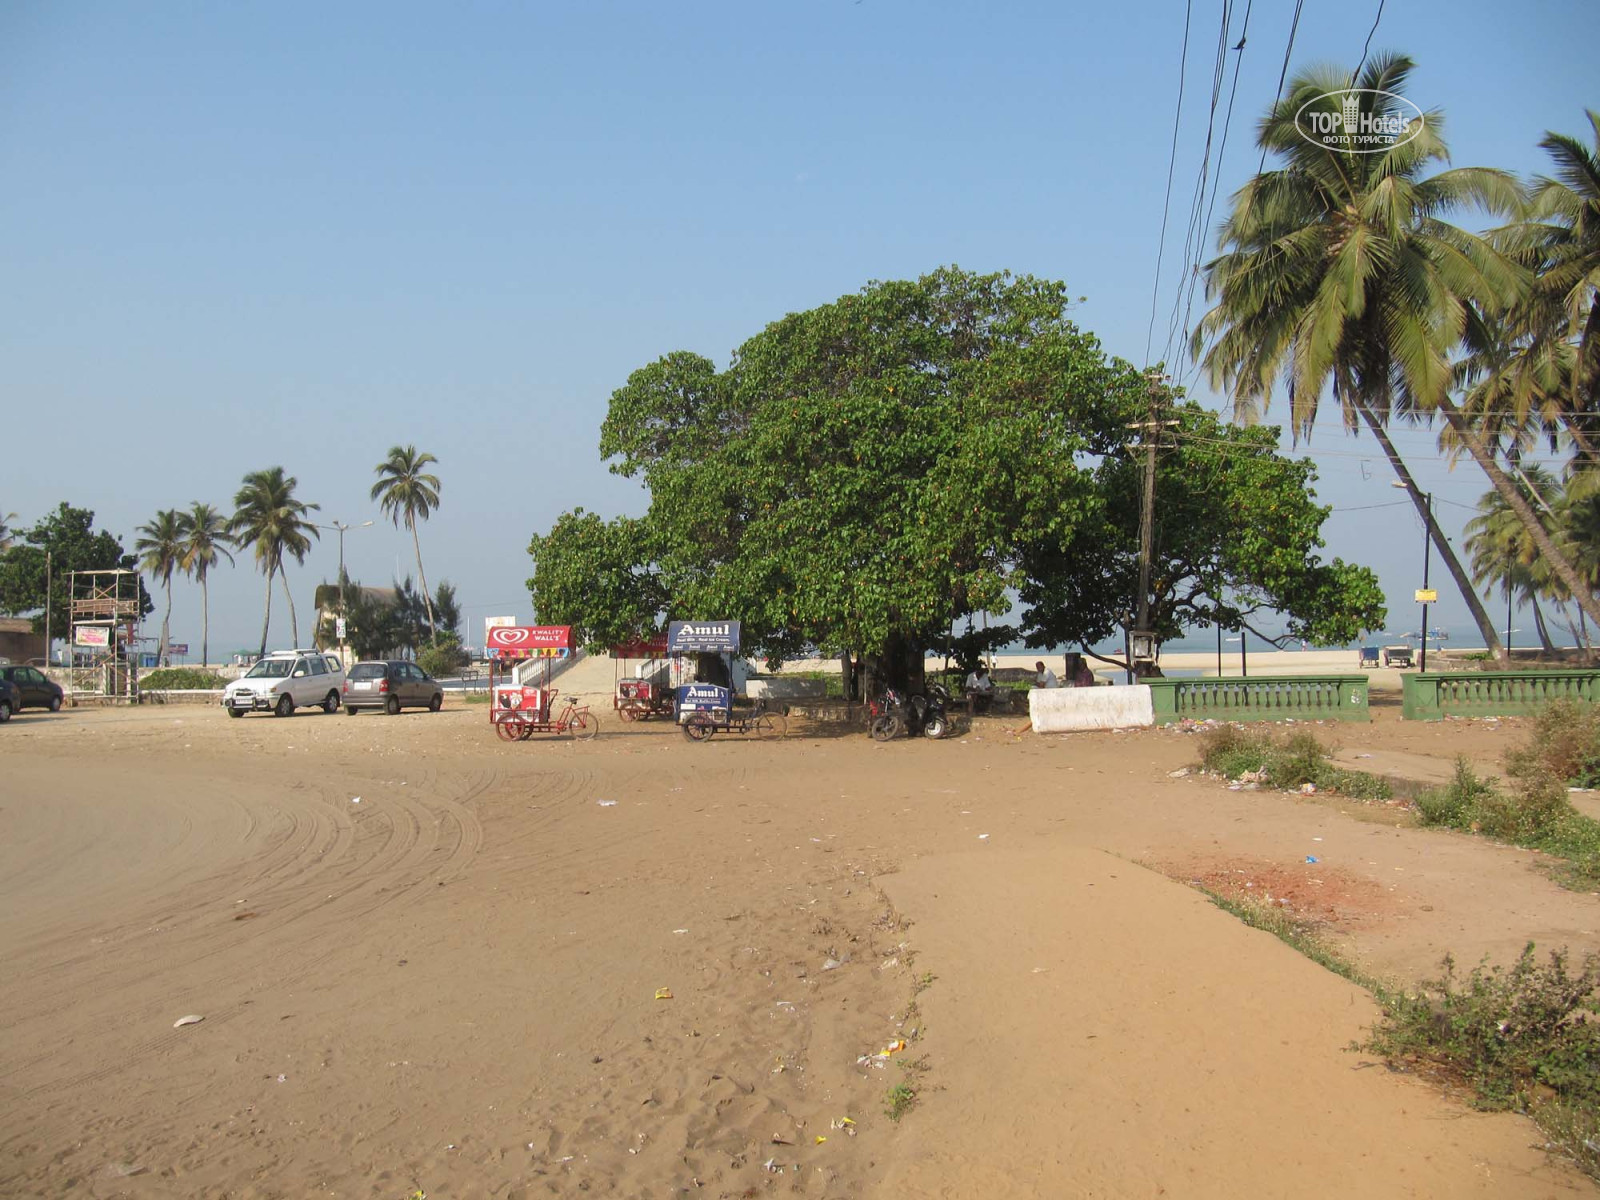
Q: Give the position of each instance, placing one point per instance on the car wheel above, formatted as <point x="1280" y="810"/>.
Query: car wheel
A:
<point x="5" y="711"/>
<point x="285" y="706"/>
<point x="437" y="702"/>
<point x="392" y="706"/>
<point x="55" y="703"/>
<point x="349" y="710"/>
<point x="331" y="704"/>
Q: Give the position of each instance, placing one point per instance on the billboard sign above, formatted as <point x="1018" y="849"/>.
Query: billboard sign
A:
<point x="695" y="637"/>
<point x="529" y="641"/>
<point x="92" y="635"/>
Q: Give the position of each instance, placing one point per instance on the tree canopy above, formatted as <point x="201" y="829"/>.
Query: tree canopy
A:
<point x="867" y="473"/>
<point x="69" y="537"/>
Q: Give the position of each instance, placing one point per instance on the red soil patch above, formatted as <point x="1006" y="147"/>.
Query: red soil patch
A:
<point x="1313" y="893"/>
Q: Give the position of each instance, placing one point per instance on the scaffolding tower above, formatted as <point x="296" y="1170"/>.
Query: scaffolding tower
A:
<point x="103" y="608"/>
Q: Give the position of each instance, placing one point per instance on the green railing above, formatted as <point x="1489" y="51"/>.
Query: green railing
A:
<point x="1433" y="697"/>
<point x="1260" y="698"/>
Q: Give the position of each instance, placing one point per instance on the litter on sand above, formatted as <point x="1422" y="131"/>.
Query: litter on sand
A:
<point x="191" y="1019"/>
<point x="1311" y="858"/>
<point x="663" y="993"/>
<point x="606" y="803"/>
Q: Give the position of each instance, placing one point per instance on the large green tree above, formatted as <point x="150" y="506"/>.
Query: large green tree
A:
<point x="271" y="522"/>
<point x="1237" y="532"/>
<point x="205" y="541"/>
<point x="160" y="548"/>
<point x="1338" y="270"/>
<point x="69" y="538"/>
<point x="408" y="493"/>
<point x="861" y="476"/>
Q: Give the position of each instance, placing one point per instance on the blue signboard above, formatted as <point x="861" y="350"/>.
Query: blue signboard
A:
<point x="691" y="637"/>
<point x="702" y="697"/>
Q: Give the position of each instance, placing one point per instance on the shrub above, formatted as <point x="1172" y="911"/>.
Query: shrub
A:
<point x="1536" y="803"/>
<point x="1230" y="751"/>
<point x="1503" y="1032"/>
<point x="444" y="657"/>
<point x="1565" y="744"/>
<point x="181" y="678"/>
<point x="1298" y="759"/>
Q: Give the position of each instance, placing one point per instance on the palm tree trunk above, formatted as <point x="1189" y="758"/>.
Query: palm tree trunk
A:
<point x="1559" y="563"/>
<point x="1491" y="639"/>
<point x="427" y="600"/>
<point x="166" y="618"/>
<point x="294" y="623"/>
<point x="1545" y="643"/>
<point x="205" y="623"/>
<point x="266" y="619"/>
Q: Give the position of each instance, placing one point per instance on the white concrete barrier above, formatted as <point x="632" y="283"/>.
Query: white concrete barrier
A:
<point x="786" y="689"/>
<point x="1067" y="710"/>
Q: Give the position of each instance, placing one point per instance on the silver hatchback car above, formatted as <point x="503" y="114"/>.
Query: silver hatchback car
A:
<point x="391" y="685"/>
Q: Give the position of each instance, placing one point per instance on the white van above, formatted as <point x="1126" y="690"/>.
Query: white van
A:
<point x="285" y="680"/>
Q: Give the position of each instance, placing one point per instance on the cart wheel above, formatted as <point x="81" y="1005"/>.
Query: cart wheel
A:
<point x="524" y="731"/>
<point x="698" y="728"/>
<point x="936" y="727"/>
<point x="626" y="712"/>
<point x="584" y="725"/>
<point x="771" y="725"/>
<point x="885" y="728"/>
<point x="506" y="729"/>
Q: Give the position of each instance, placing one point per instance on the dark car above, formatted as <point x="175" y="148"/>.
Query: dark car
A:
<point x="10" y="700"/>
<point x="391" y="686"/>
<point x="37" y="691"/>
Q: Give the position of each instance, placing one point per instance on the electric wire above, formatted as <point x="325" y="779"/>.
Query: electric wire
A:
<point x="1172" y="162"/>
<point x="1356" y="75"/>
<point x="1288" y="51"/>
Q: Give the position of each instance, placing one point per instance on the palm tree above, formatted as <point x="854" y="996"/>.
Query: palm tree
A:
<point x="160" y="549"/>
<point x="1502" y="552"/>
<point x="406" y="493"/>
<point x="1338" y="269"/>
<point x="270" y="520"/>
<point x="204" y="536"/>
<point x="7" y="531"/>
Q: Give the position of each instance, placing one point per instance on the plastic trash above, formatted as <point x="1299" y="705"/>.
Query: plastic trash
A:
<point x="606" y="803"/>
<point x="191" y="1019"/>
<point x="663" y="993"/>
<point x="1312" y="858"/>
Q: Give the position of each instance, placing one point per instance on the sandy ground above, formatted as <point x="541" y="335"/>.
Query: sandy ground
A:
<point x="451" y="986"/>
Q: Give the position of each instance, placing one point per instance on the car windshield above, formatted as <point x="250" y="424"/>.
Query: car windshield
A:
<point x="271" y="668"/>
<point x="368" y="671"/>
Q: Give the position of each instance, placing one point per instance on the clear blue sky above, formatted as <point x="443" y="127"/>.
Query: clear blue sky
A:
<point x="233" y="236"/>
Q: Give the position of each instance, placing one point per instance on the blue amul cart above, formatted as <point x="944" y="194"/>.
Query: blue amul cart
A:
<point x="704" y="707"/>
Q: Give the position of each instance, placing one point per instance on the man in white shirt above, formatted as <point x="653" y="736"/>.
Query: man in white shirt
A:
<point x="1045" y="677"/>
<point x="980" y="687"/>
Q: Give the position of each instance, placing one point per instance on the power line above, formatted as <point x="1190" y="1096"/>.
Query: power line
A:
<point x="1288" y="51"/>
<point x="1172" y="162"/>
<point x="1357" y="75"/>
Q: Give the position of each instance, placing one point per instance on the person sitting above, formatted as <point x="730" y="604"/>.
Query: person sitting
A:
<point x="1044" y="677"/>
<point x="1078" y="672"/>
<point x="980" y="688"/>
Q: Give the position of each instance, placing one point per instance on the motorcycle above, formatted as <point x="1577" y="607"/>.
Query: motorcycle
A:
<point x="891" y="713"/>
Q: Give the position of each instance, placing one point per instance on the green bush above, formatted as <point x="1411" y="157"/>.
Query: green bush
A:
<point x="1298" y="759"/>
<point x="1536" y="803"/>
<point x="181" y="678"/>
<point x="1565" y="744"/>
<point x="1504" y="1032"/>
<point x="444" y="657"/>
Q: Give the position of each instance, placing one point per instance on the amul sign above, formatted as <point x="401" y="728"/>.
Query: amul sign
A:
<point x="1359" y="121"/>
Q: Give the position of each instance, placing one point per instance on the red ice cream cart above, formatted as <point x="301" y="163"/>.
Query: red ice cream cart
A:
<point x="519" y="710"/>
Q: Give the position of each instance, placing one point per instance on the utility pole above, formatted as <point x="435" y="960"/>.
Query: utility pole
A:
<point x="47" y="598"/>
<point x="1143" y="643"/>
<point x="1427" y="547"/>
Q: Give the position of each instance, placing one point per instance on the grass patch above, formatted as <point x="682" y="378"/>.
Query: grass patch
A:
<point x="1302" y="937"/>
<point x="1534" y="814"/>
<point x="181" y="678"/>
<point x="1522" y="1039"/>
<point x="900" y="1099"/>
<point x="473" y="697"/>
<point x="1287" y="762"/>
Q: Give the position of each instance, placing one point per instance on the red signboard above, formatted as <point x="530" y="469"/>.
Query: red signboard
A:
<point x="530" y="641"/>
<point x="651" y="647"/>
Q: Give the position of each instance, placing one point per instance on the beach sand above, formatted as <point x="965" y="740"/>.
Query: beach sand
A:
<point x="451" y="986"/>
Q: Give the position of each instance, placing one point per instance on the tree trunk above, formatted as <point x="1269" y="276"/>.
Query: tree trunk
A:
<point x="166" y="618"/>
<point x="847" y="676"/>
<point x="1545" y="643"/>
<point x="266" y="619"/>
<point x="1491" y="639"/>
<point x="1518" y="503"/>
<point x="294" y="623"/>
<point x="205" y="623"/>
<point x="427" y="600"/>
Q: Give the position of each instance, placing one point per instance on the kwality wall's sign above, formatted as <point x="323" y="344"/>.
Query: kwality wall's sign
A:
<point x="529" y="641"/>
<point x="691" y="637"/>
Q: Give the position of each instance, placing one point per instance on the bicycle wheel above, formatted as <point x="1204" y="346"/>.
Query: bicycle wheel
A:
<point x="584" y="725"/>
<point x="770" y="725"/>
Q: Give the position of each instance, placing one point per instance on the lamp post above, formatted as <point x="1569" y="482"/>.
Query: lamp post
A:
<point x="1427" y="548"/>
<point x="344" y="599"/>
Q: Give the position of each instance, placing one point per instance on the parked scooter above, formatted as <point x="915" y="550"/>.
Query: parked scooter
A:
<point x="891" y="714"/>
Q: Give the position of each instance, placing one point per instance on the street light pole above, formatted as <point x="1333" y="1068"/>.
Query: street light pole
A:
<point x="344" y="596"/>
